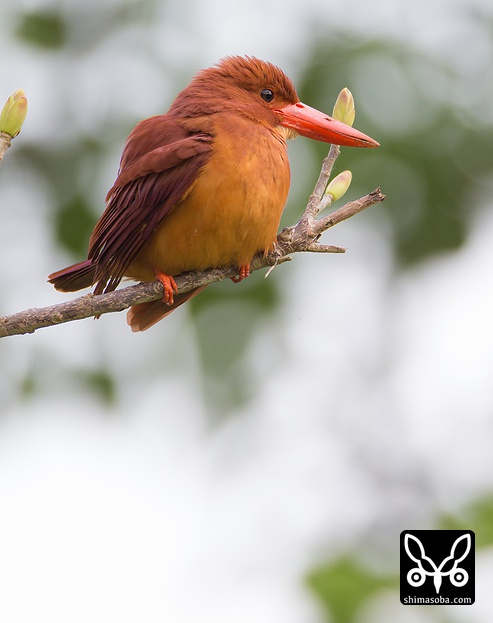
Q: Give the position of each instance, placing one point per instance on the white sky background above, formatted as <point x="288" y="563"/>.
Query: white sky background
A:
<point x="123" y="516"/>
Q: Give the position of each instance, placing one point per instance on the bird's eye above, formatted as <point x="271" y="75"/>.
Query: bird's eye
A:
<point x="267" y="95"/>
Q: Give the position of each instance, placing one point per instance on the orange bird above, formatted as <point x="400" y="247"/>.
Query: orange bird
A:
<point x="203" y="185"/>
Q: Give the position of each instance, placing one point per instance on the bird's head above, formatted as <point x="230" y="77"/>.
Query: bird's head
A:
<point x="263" y="93"/>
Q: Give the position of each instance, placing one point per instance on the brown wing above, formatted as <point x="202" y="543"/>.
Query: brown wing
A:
<point x="160" y="162"/>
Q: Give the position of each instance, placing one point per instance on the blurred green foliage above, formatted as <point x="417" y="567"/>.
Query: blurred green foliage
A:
<point x="344" y="585"/>
<point x="477" y="517"/>
<point x="43" y="28"/>
<point x="226" y="319"/>
<point x="74" y="222"/>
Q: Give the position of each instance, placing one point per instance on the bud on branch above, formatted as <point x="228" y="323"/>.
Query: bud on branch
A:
<point x="14" y="113"/>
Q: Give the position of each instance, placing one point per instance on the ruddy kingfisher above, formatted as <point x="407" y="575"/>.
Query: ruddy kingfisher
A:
<point x="203" y="185"/>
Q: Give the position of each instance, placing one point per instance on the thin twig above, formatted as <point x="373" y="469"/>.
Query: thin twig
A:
<point x="314" y="203"/>
<point x="5" y="142"/>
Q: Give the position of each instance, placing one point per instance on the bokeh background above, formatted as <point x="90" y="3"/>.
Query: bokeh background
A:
<point x="255" y="456"/>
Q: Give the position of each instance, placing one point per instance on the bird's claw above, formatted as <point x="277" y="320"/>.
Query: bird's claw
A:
<point x="169" y="286"/>
<point x="243" y="273"/>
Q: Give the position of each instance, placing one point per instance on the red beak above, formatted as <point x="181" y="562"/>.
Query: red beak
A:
<point x="314" y="124"/>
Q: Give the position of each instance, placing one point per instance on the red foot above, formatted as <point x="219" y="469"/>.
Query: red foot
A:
<point x="243" y="273"/>
<point x="169" y="285"/>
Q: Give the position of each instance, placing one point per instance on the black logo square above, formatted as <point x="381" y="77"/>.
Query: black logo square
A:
<point x="437" y="567"/>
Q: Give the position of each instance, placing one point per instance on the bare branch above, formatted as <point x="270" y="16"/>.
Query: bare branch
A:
<point x="307" y="231"/>
<point x="315" y="203"/>
<point x="5" y="141"/>
<point x="302" y="237"/>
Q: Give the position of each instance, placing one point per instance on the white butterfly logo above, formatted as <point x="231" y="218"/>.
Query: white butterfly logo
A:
<point x="417" y="575"/>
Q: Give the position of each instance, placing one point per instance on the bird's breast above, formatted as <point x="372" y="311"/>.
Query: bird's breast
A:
<point x="232" y="210"/>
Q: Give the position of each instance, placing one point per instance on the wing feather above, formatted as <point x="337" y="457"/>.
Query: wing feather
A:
<point x="153" y="179"/>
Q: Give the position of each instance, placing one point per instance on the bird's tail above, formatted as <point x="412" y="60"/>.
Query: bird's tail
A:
<point x="75" y="277"/>
<point x="141" y="317"/>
